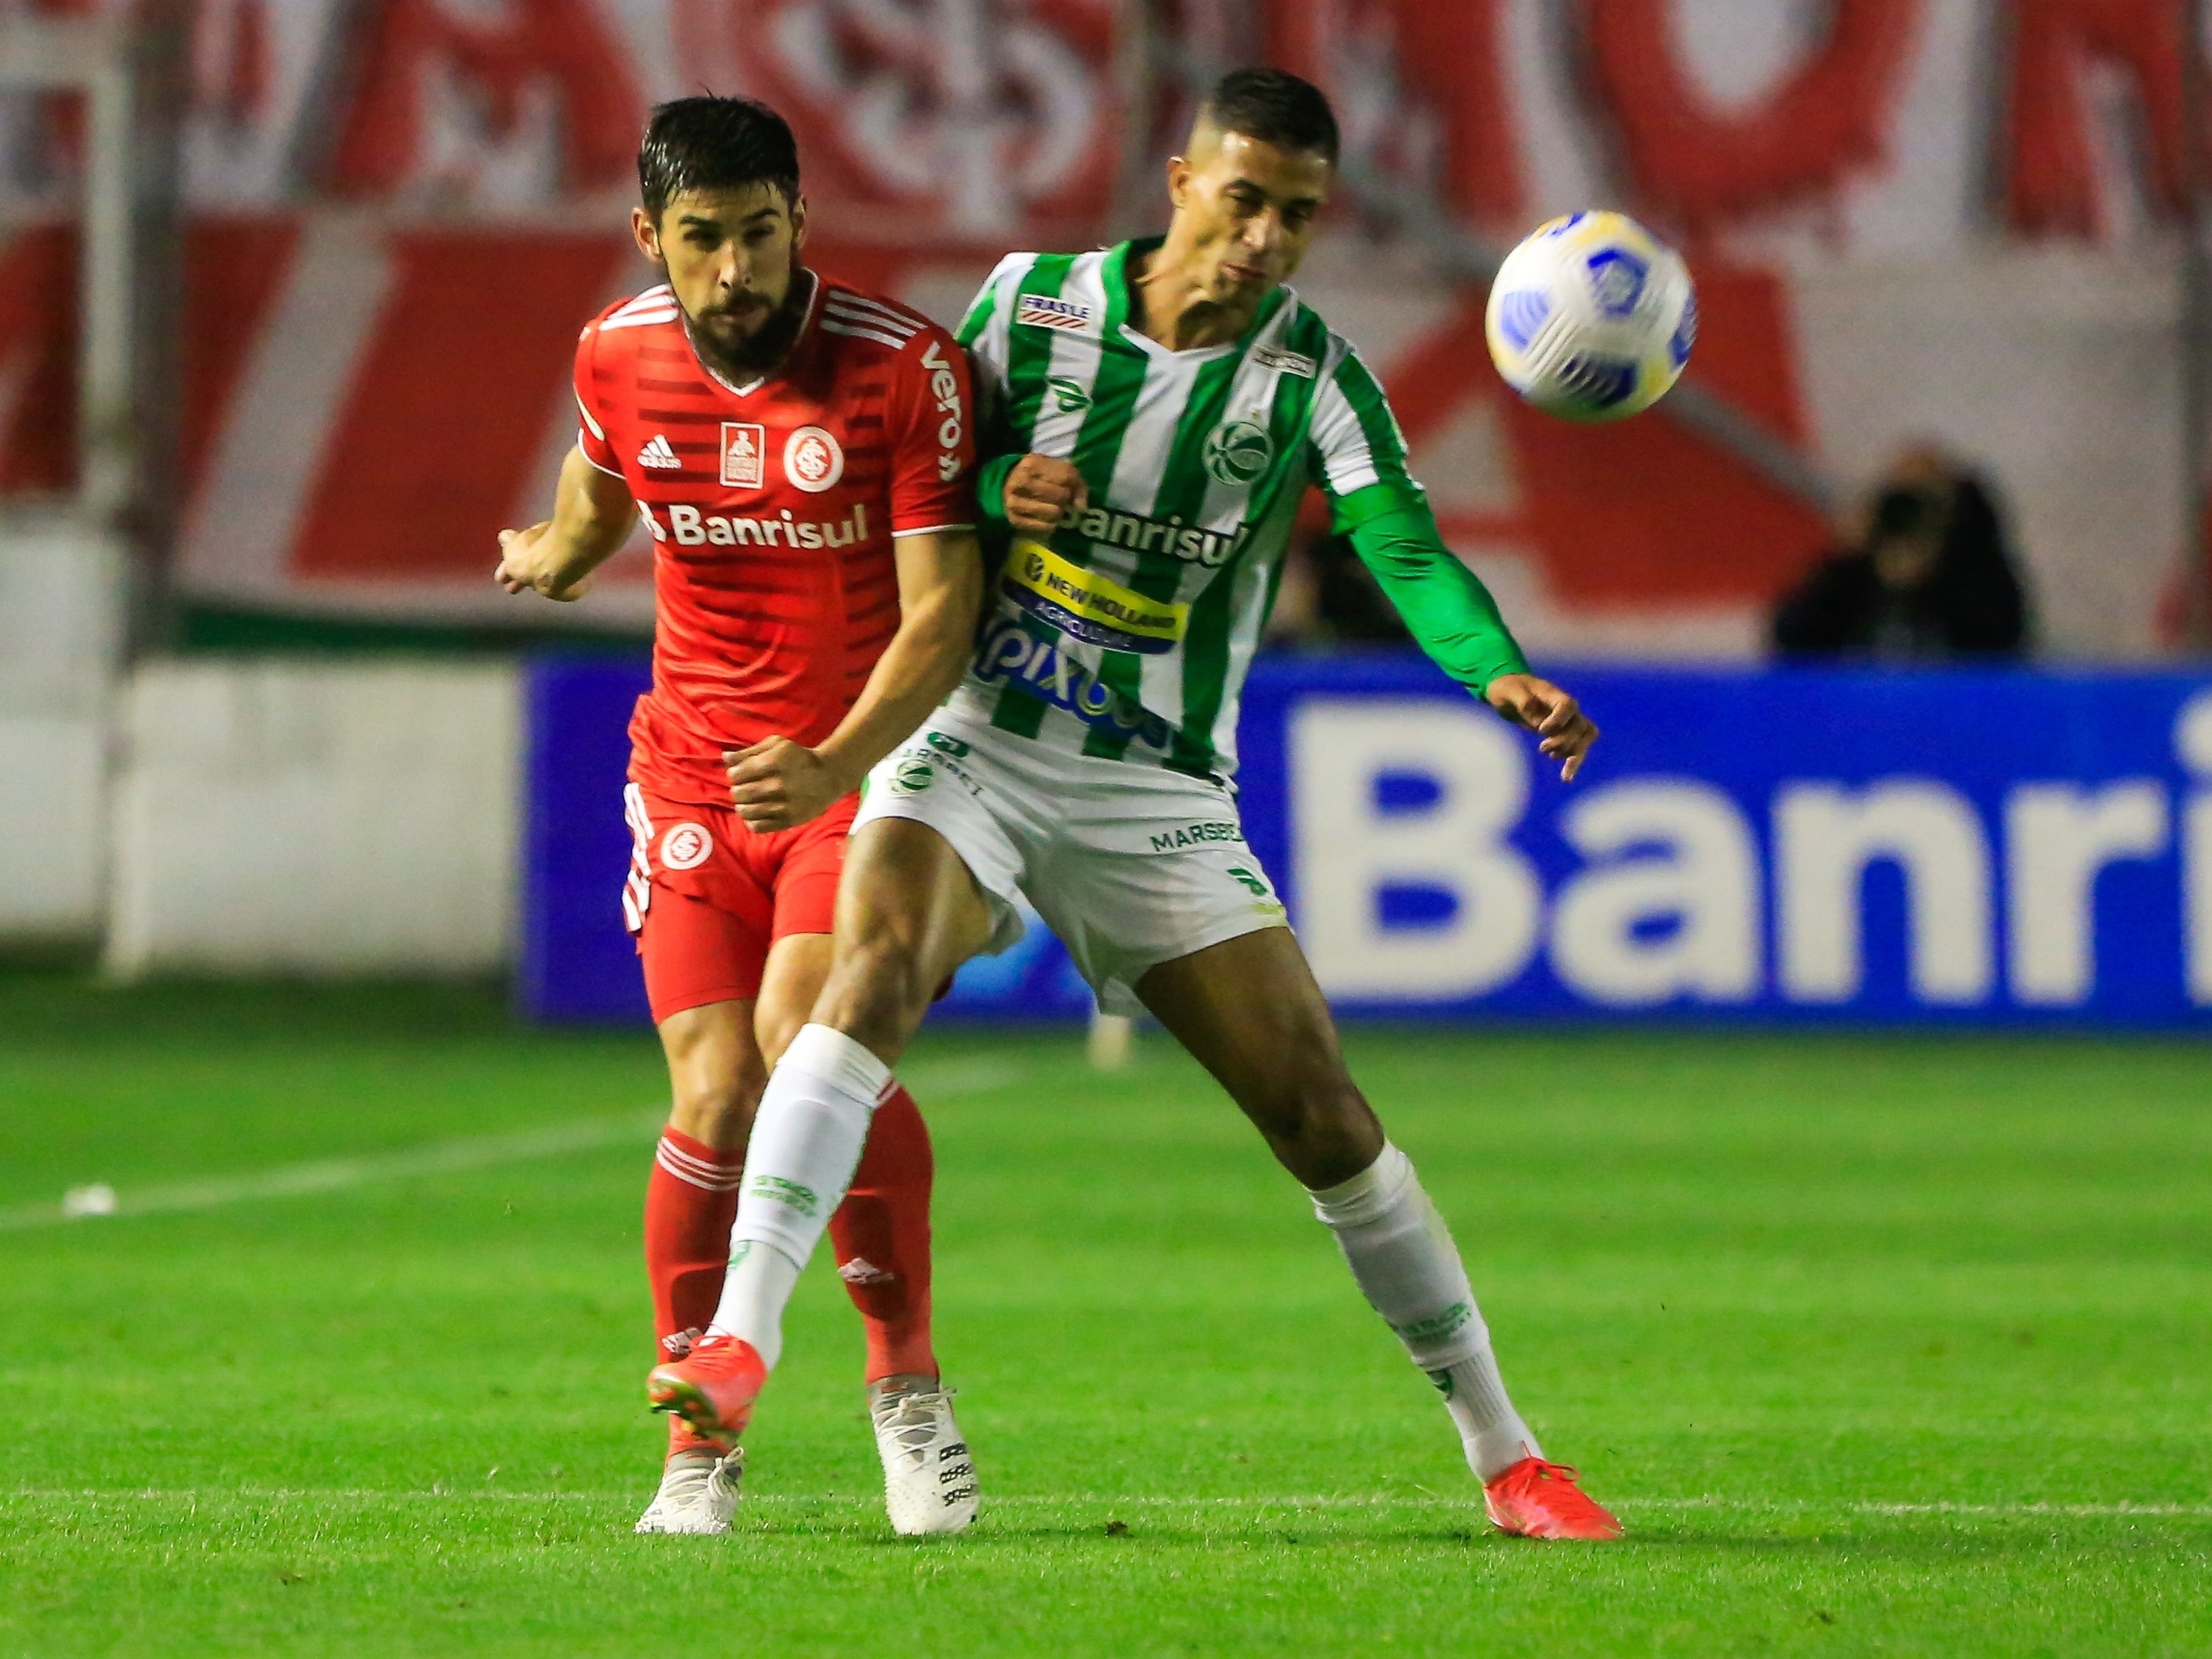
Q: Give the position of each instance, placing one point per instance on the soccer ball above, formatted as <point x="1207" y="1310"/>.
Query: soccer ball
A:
<point x="1592" y="318"/>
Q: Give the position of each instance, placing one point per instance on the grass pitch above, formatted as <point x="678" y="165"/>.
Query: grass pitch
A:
<point x="1878" y="1346"/>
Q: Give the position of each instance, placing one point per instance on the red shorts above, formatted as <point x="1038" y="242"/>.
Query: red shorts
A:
<point x="707" y="896"/>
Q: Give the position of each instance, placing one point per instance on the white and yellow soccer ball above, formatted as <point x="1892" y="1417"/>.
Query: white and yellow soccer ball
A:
<point x="1592" y="318"/>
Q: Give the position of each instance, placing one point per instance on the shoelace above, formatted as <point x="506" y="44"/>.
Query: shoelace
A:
<point x="691" y="1484"/>
<point x="910" y="1419"/>
<point x="728" y="1471"/>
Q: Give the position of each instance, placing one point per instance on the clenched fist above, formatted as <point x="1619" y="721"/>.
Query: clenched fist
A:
<point x="530" y="562"/>
<point x="776" y="784"/>
<point x="1041" y="491"/>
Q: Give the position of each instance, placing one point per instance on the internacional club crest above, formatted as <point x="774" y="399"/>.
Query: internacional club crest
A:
<point x="812" y="460"/>
<point x="1237" y="452"/>
<point x="685" y="847"/>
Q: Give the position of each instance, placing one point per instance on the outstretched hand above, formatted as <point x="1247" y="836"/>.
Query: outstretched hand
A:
<point x="1563" y="731"/>
<point x="528" y="563"/>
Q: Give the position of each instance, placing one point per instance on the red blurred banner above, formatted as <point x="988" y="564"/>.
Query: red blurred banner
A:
<point x="405" y="208"/>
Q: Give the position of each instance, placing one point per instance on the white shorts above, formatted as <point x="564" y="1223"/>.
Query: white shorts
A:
<point x="1132" y="865"/>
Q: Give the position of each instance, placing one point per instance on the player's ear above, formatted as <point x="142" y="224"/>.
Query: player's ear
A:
<point x="1179" y="172"/>
<point x="798" y="220"/>
<point x="646" y="234"/>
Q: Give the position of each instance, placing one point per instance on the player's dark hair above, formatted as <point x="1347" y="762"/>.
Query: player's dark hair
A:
<point x="1274" y="107"/>
<point x="714" y="144"/>
<point x="1902" y="513"/>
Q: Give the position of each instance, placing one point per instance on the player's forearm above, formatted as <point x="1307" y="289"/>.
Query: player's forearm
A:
<point x="592" y="514"/>
<point x="919" y="668"/>
<point x="1450" y="614"/>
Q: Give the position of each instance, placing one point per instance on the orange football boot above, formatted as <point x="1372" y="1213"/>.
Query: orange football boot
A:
<point x="1536" y="1499"/>
<point x="685" y="1441"/>
<point x="713" y="1387"/>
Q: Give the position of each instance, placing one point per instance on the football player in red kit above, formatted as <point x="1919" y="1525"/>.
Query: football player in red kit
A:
<point x="802" y="454"/>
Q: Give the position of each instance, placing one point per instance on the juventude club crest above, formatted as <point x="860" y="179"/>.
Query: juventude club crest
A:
<point x="1237" y="452"/>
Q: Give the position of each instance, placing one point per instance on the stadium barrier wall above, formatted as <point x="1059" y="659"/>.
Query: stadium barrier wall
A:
<point x="1955" y="847"/>
<point x="319" y="818"/>
<point x="58" y="607"/>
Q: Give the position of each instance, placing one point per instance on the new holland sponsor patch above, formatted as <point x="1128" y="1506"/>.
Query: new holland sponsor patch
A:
<point x="1041" y="311"/>
<point x="1085" y="605"/>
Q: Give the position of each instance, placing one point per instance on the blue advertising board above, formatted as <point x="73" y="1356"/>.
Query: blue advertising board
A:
<point x="1961" y="846"/>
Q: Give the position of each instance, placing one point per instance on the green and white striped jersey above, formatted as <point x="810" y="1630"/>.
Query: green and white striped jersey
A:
<point x="1130" y="636"/>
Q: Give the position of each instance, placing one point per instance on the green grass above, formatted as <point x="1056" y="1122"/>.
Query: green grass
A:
<point x="1878" y="1346"/>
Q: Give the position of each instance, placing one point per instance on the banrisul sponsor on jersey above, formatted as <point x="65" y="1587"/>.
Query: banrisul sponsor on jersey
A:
<point x="689" y="527"/>
<point x="1191" y="543"/>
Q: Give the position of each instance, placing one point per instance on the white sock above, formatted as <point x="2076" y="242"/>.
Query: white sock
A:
<point x="1490" y="1430"/>
<point x="806" y="1142"/>
<point x="754" y="1294"/>
<point x="1402" y="1256"/>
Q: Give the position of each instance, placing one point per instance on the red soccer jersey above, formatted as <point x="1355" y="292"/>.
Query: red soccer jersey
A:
<point x="773" y="507"/>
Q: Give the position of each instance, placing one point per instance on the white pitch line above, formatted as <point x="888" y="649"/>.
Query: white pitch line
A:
<point x="1102" y="1501"/>
<point x="946" y="1080"/>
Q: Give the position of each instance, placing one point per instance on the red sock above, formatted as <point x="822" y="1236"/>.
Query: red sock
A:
<point x="881" y="1234"/>
<point x="691" y="1201"/>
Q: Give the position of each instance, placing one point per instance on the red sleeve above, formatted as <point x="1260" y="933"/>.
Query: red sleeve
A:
<point x="592" y="434"/>
<point x="931" y="418"/>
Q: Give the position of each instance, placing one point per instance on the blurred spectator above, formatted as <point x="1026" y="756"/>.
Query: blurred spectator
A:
<point x="1931" y="580"/>
<point x="1328" y="598"/>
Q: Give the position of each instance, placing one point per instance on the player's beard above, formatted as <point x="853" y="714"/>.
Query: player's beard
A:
<point x="766" y="346"/>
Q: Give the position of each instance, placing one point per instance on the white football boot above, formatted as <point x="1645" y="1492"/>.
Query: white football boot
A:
<point x="929" y="1479"/>
<point x="698" y="1493"/>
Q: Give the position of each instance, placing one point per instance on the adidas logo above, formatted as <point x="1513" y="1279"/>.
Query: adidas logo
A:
<point x="658" y="453"/>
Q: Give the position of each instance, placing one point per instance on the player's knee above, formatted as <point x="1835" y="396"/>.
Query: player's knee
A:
<point x="1321" y="1128"/>
<point x="878" y="990"/>
<point x="716" y="1105"/>
<point x="1321" y="1110"/>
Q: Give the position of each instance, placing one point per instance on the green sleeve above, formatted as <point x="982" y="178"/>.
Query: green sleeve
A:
<point x="991" y="486"/>
<point x="1444" y="604"/>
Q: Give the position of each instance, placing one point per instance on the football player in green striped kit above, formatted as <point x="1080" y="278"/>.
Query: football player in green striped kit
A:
<point x="1155" y="411"/>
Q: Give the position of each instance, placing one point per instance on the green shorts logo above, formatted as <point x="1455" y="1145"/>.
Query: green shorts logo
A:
<point x="913" y="774"/>
<point x="945" y="744"/>
<point x="1239" y="451"/>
